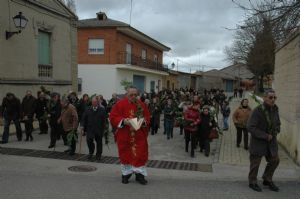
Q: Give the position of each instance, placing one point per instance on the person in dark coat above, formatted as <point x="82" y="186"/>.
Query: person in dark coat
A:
<point x="42" y="113"/>
<point x="28" y="110"/>
<point x="93" y="124"/>
<point x="11" y="111"/>
<point x="205" y="127"/>
<point x="169" y="116"/>
<point x="56" y="128"/>
<point x="83" y="104"/>
<point x="155" y="111"/>
<point x="264" y="125"/>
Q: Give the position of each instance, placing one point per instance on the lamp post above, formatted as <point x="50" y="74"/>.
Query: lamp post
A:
<point x="20" y="22"/>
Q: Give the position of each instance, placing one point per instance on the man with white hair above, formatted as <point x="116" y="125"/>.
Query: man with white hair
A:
<point x="132" y="144"/>
<point x="69" y="120"/>
<point x="93" y="125"/>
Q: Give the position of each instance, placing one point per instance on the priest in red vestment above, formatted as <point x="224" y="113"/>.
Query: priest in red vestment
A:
<point x="132" y="144"/>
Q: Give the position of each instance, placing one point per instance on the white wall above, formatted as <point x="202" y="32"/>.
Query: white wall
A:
<point x="106" y="79"/>
<point x="99" y="79"/>
<point x="128" y="75"/>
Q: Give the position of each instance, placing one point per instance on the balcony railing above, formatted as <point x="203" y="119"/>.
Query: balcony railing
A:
<point x="131" y="59"/>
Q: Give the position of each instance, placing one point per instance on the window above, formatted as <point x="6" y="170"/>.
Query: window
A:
<point x="79" y="85"/>
<point x="44" y="48"/>
<point x="155" y="59"/>
<point x="44" y="54"/>
<point x="45" y="71"/>
<point x="144" y="54"/>
<point x="96" y="46"/>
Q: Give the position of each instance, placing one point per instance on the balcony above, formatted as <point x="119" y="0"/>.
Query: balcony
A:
<point x="130" y="59"/>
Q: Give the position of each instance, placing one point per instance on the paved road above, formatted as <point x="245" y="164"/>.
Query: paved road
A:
<point x="34" y="178"/>
<point x="26" y="177"/>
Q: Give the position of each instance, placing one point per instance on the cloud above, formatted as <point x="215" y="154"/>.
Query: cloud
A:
<point x="183" y="25"/>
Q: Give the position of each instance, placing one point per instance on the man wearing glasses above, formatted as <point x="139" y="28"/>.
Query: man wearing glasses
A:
<point x="132" y="144"/>
<point x="264" y="125"/>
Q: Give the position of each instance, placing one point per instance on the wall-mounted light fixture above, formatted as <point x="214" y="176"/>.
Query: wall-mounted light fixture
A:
<point x="20" y="23"/>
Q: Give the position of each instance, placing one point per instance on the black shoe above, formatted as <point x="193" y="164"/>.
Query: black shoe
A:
<point x="41" y="133"/>
<point x="125" y="178"/>
<point x="206" y="154"/>
<point x="98" y="157"/>
<point x="31" y="138"/>
<point x="90" y="157"/>
<point x="201" y="151"/>
<point x="238" y="146"/>
<point x="71" y="153"/>
<point x="246" y="148"/>
<point x="27" y="139"/>
<point x="19" y="139"/>
<point x="67" y="151"/>
<point x="141" y="179"/>
<point x="271" y="186"/>
<point x="255" y="187"/>
<point x="51" y="146"/>
<point x="3" y="142"/>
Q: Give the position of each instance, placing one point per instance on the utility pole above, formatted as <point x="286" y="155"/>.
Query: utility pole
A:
<point x="130" y="12"/>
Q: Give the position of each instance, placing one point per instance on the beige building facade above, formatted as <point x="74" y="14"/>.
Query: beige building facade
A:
<point x="44" y="53"/>
<point x="287" y="86"/>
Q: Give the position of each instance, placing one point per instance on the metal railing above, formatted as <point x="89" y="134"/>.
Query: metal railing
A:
<point x="131" y="59"/>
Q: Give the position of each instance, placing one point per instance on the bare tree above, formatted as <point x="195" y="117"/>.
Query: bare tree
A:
<point x="71" y="5"/>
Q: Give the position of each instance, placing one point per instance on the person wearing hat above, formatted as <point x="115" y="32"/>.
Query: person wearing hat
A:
<point x="69" y="121"/>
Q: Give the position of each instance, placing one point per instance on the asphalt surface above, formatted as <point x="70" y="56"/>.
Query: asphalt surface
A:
<point x="36" y="178"/>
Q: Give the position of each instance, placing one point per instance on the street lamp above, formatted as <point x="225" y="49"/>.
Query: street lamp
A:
<point x="20" y="23"/>
<point x="173" y="65"/>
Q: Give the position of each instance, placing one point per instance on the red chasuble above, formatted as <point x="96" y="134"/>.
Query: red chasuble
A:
<point x="132" y="145"/>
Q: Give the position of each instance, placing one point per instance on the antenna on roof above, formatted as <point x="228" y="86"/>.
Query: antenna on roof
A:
<point x="130" y="12"/>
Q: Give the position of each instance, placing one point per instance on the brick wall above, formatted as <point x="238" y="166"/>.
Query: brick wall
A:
<point x="114" y="42"/>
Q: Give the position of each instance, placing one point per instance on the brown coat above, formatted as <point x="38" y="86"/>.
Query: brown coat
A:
<point x="241" y="116"/>
<point x="69" y="118"/>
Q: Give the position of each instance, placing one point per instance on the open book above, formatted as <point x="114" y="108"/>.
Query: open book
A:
<point x="136" y="123"/>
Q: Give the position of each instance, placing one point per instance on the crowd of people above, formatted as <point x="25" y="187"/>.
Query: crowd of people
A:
<point x="195" y="114"/>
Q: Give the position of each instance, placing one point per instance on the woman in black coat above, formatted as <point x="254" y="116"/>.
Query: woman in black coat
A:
<point x="205" y="127"/>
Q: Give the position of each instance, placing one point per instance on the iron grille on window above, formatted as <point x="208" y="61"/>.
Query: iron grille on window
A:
<point x="45" y="71"/>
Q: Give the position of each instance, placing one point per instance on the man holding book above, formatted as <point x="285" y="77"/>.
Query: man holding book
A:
<point x="131" y="118"/>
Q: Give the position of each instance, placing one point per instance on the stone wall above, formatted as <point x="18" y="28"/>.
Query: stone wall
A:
<point x="19" y="54"/>
<point x="287" y="86"/>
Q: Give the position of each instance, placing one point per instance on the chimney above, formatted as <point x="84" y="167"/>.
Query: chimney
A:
<point x="101" y="16"/>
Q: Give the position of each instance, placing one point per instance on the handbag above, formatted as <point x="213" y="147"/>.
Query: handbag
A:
<point x="213" y="134"/>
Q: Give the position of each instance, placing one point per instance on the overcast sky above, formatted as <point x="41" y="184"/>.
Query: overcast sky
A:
<point x="193" y="29"/>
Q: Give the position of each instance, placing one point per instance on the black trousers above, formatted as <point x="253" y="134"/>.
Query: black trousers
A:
<point x="28" y="128"/>
<point x="91" y="144"/>
<point x="56" y="132"/>
<point x="190" y="136"/>
<point x="43" y="126"/>
<point x="272" y="164"/>
<point x="205" y="145"/>
<point x="240" y="132"/>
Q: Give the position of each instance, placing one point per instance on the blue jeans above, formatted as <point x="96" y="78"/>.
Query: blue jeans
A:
<point x="225" y="122"/>
<point x="5" y="135"/>
<point x="169" y="124"/>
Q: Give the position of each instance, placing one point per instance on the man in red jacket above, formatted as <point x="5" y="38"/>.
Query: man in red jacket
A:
<point x="132" y="144"/>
